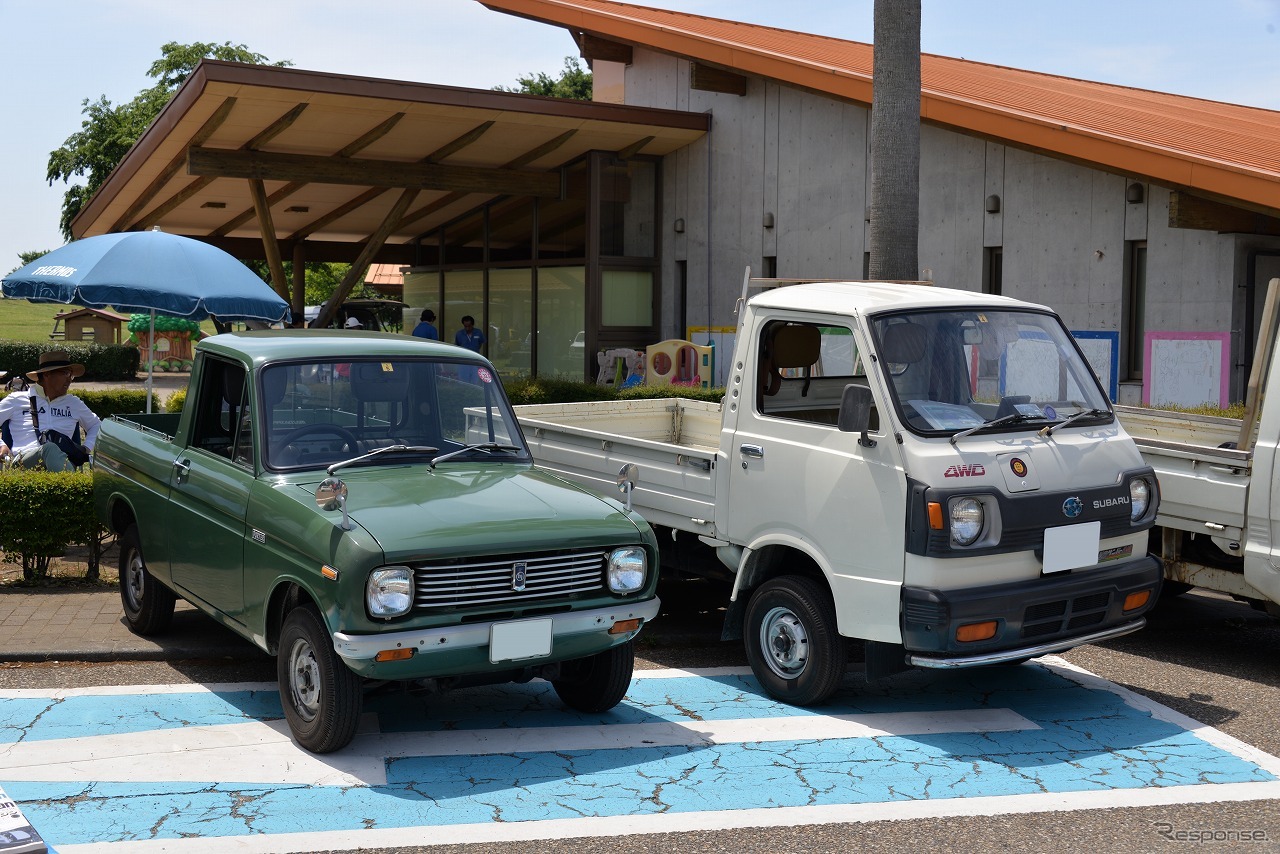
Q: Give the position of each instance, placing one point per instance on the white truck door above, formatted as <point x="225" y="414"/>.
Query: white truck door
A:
<point x="796" y="481"/>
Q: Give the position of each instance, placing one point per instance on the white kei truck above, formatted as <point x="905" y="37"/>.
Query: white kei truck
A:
<point x="1218" y="525"/>
<point x="936" y="472"/>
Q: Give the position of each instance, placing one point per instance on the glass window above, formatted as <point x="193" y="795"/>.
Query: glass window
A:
<point x="804" y="369"/>
<point x="562" y="296"/>
<point x="628" y="208"/>
<point x="321" y="413"/>
<point x="421" y="290"/>
<point x="953" y="370"/>
<point x="562" y="223"/>
<point x="626" y="298"/>
<point x="511" y="320"/>
<point x="463" y="295"/>
<point x="222" y="425"/>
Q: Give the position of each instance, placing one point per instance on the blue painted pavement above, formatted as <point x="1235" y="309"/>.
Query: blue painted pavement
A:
<point x="1078" y="736"/>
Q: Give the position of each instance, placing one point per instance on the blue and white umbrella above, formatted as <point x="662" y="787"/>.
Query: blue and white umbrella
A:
<point x="148" y="271"/>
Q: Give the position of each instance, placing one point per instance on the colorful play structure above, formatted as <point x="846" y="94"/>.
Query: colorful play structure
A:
<point x="671" y="362"/>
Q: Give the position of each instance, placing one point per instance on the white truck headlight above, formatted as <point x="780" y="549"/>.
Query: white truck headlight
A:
<point x="627" y="570"/>
<point x="1139" y="498"/>
<point x="389" y="591"/>
<point x="967" y="519"/>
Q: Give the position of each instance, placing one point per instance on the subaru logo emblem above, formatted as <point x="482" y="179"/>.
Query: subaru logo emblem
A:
<point x="1072" y="507"/>
<point x="520" y="573"/>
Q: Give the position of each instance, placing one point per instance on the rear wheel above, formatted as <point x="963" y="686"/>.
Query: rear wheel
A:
<point x="597" y="683"/>
<point x="322" y="698"/>
<point x="792" y="643"/>
<point x="148" y="604"/>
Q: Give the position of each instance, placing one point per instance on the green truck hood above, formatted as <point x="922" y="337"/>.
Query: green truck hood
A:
<point x="466" y="509"/>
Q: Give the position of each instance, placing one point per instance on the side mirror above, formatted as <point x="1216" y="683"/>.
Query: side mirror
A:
<point x="331" y="495"/>
<point x="855" y="413"/>
<point x="628" y="476"/>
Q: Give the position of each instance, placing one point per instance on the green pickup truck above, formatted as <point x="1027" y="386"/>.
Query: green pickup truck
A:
<point x="364" y="507"/>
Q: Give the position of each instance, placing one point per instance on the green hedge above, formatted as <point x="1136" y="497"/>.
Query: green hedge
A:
<point x="45" y="511"/>
<point x="538" y="390"/>
<point x="102" y="362"/>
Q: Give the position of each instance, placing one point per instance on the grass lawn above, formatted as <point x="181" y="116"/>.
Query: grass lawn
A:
<point x="32" y="321"/>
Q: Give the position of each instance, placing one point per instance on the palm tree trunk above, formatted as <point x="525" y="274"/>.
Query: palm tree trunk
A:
<point x="895" y="141"/>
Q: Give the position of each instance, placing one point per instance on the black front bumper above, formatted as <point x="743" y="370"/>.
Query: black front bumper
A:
<point x="1037" y="617"/>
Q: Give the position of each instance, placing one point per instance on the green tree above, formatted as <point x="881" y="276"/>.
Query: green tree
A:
<point x="25" y="258"/>
<point x="108" y="131"/>
<point x="895" y="141"/>
<point x="574" y="83"/>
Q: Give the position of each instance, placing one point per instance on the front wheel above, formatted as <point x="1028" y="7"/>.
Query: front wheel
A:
<point x="321" y="696"/>
<point x="792" y="643"/>
<point x="597" y="683"/>
<point x="148" y="604"/>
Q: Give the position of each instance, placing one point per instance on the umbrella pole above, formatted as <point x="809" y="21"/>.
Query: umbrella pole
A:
<point x="151" y="351"/>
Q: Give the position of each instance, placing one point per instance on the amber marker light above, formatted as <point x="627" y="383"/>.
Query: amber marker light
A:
<point x="623" y="626"/>
<point x="935" y="516"/>
<point x="329" y="573"/>
<point x="1136" y="600"/>
<point x="395" y="654"/>
<point x="976" y="631"/>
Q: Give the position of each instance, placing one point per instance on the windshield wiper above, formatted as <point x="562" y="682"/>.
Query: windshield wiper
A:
<point x="1084" y="413"/>
<point x="392" y="449"/>
<point x="487" y="447"/>
<point x="1011" y="418"/>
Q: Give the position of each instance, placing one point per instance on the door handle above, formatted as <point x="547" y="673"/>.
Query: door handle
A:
<point x="753" y="451"/>
<point x="181" y="468"/>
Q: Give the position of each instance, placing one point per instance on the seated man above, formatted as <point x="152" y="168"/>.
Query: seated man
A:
<point x="43" y="421"/>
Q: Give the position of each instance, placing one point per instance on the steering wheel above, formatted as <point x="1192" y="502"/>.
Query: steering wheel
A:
<point x="348" y="438"/>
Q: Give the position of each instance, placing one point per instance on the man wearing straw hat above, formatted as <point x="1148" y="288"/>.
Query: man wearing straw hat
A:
<point x="43" y="421"/>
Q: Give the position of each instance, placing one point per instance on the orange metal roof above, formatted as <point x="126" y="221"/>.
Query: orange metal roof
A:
<point x="1223" y="150"/>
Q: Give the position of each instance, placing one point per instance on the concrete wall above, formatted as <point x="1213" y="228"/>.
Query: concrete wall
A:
<point x="1063" y="227"/>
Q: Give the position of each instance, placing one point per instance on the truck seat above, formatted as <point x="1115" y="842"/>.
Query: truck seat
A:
<point x="788" y="346"/>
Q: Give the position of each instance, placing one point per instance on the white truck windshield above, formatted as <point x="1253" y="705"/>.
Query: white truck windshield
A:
<point x="952" y="371"/>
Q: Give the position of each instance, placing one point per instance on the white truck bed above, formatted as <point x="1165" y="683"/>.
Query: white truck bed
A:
<point x="1201" y="484"/>
<point x="672" y="441"/>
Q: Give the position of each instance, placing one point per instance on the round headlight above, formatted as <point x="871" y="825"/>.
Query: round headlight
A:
<point x="966" y="520"/>
<point x="627" y="570"/>
<point x="1139" y="497"/>
<point x="389" y="591"/>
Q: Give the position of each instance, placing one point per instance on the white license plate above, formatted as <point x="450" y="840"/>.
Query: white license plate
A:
<point x="1071" y="546"/>
<point x="519" y="639"/>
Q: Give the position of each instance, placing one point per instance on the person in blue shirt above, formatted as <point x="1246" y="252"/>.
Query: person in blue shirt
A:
<point x="426" y="326"/>
<point x="468" y="336"/>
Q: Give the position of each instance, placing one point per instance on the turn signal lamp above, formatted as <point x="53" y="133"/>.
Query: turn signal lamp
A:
<point x="623" y="626"/>
<point x="1136" y="600"/>
<point x="395" y="654"/>
<point x="976" y="631"/>
<point x="935" y="516"/>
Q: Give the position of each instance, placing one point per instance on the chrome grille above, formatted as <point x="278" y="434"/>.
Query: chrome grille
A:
<point x="487" y="580"/>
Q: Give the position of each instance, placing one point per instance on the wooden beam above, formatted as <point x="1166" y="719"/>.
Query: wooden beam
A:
<point x="594" y="47"/>
<point x="270" y="132"/>
<point x="634" y="148"/>
<point x="144" y="198"/>
<point x="224" y="163"/>
<point x="704" y="78"/>
<point x="367" y="254"/>
<point x="269" y="244"/>
<point x="351" y="148"/>
<point x="1188" y="211"/>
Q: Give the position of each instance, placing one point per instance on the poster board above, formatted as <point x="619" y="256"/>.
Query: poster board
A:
<point x="1102" y="351"/>
<point x="1186" y="368"/>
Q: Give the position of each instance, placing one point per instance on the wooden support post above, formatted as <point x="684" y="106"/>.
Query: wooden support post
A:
<point x="269" y="244"/>
<point x="362" y="262"/>
<point x="298" y="304"/>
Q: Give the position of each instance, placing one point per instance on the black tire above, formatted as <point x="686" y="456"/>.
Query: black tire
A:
<point x="321" y="697"/>
<point x="792" y="643"/>
<point x="597" y="683"/>
<point x="148" y="604"/>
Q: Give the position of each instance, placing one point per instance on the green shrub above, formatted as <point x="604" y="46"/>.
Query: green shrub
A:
<point x="43" y="512"/>
<point x="102" y="362"/>
<point x="176" y="401"/>
<point x="526" y="390"/>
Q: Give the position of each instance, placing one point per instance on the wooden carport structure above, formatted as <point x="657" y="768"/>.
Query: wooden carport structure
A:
<point x="271" y="162"/>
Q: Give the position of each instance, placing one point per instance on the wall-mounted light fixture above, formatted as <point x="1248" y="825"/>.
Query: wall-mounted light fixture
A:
<point x="679" y="225"/>
<point x="1134" y="193"/>
<point x="768" y="219"/>
<point x="993" y="203"/>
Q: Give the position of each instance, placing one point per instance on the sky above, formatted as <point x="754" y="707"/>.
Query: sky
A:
<point x="57" y="54"/>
